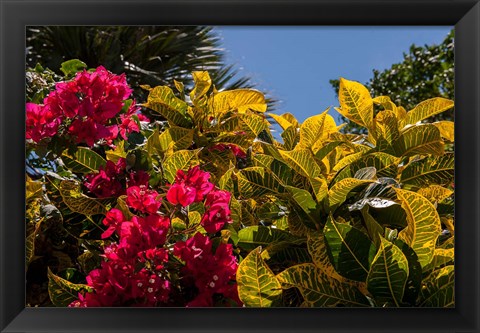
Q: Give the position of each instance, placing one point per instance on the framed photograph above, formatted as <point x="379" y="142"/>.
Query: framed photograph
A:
<point x="150" y="183"/>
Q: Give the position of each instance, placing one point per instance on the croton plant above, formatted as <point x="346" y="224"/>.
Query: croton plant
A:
<point x="191" y="199"/>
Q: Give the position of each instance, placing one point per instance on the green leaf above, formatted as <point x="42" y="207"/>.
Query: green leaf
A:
<point x="79" y="202"/>
<point x="303" y="198"/>
<point x="180" y="160"/>
<point x="319" y="289"/>
<point x="302" y="162"/>
<point x="430" y="170"/>
<point x="251" y="237"/>
<point x="255" y="182"/>
<point x="88" y="261"/>
<point x="62" y="292"/>
<point x="423" y="225"/>
<point x="71" y="67"/>
<point x="375" y="230"/>
<point x="420" y="139"/>
<point x="414" y="280"/>
<point x="162" y="100"/>
<point x="318" y="251"/>
<point x="84" y="160"/>
<point x="438" y="290"/>
<point x="388" y="274"/>
<point x="428" y="108"/>
<point x="239" y="100"/>
<point x="257" y="285"/>
<point x="350" y="250"/>
<point x="355" y="103"/>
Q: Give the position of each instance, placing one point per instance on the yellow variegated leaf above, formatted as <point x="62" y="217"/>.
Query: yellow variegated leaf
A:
<point x="423" y="225"/>
<point x="117" y="153"/>
<point x="290" y="137"/>
<point x="449" y="223"/>
<point x="401" y="114"/>
<point x="257" y="181"/>
<point x="122" y="206"/>
<point x="386" y="103"/>
<point x="441" y="258"/>
<point x="285" y="120"/>
<point x="281" y="171"/>
<point x="33" y="189"/>
<point x="84" y="160"/>
<point x="319" y="289"/>
<point x="303" y="198"/>
<point x="438" y="289"/>
<point x="356" y="103"/>
<point x="202" y="83"/>
<point x="428" y="108"/>
<point x="226" y="182"/>
<point x="162" y="100"/>
<point x="175" y="138"/>
<point x="257" y="285"/>
<point x="388" y="274"/>
<point x="180" y="160"/>
<point x="79" y="202"/>
<point x="255" y="123"/>
<point x="420" y="139"/>
<point x="350" y="250"/>
<point x="447" y="129"/>
<point x="302" y="162"/>
<point x="252" y="237"/>
<point x="320" y="188"/>
<point x="63" y="292"/>
<point x="315" y="130"/>
<point x="375" y="230"/>
<point x="347" y="160"/>
<point x="319" y="253"/>
<point x="239" y="100"/>
<point x="385" y="164"/>
<point x="387" y="126"/>
<point x="435" y="193"/>
<point x="430" y="170"/>
<point x="339" y="192"/>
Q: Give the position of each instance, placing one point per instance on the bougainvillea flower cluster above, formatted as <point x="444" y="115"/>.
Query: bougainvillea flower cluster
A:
<point x="134" y="268"/>
<point x="236" y="150"/>
<point x="88" y="105"/>
<point x="194" y="186"/>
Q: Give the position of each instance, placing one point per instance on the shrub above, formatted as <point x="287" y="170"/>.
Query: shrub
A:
<point x="207" y="208"/>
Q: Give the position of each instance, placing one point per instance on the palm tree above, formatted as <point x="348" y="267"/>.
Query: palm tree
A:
<point x="153" y="55"/>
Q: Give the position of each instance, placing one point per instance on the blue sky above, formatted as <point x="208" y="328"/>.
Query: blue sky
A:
<point x="295" y="64"/>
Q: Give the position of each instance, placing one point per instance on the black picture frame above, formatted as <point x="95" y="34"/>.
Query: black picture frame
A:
<point x="16" y="14"/>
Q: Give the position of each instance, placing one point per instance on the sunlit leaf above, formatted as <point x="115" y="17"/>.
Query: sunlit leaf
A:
<point x="239" y="100"/>
<point x="180" y="160"/>
<point x="117" y="153"/>
<point x="79" y="202"/>
<point x="319" y="289"/>
<point x="428" y="108"/>
<point x="162" y="100"/>
<point x="302" y="161"/>
<point x="257" y="285"/>
<point x="421" y="139"/>
<point x="447" y="129"/>
<point x="202" y="82"/>
<point x="430" y="170"/>
<point x="355" y="103"/>
<point x="423" y="225"/>
<point x="339" y="192"/>
<point x="84" y="160"/>
<point x="258" y="181"/>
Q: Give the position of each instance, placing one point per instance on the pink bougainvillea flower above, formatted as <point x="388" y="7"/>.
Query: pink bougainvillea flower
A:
<point x="109" y="181"/>
<point x="216" y="217"/>
<point x="41" y="122"/>
<point x="237" y="151"/>
<point x="112" y="221"/>
<point x="142" y="199"/>
<point x="181" y="194"/>
<point x="138" y="178"/>
<point x="210" y="272"/>
<point x="190" y="187"/>
<point x="217" y="197"/>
